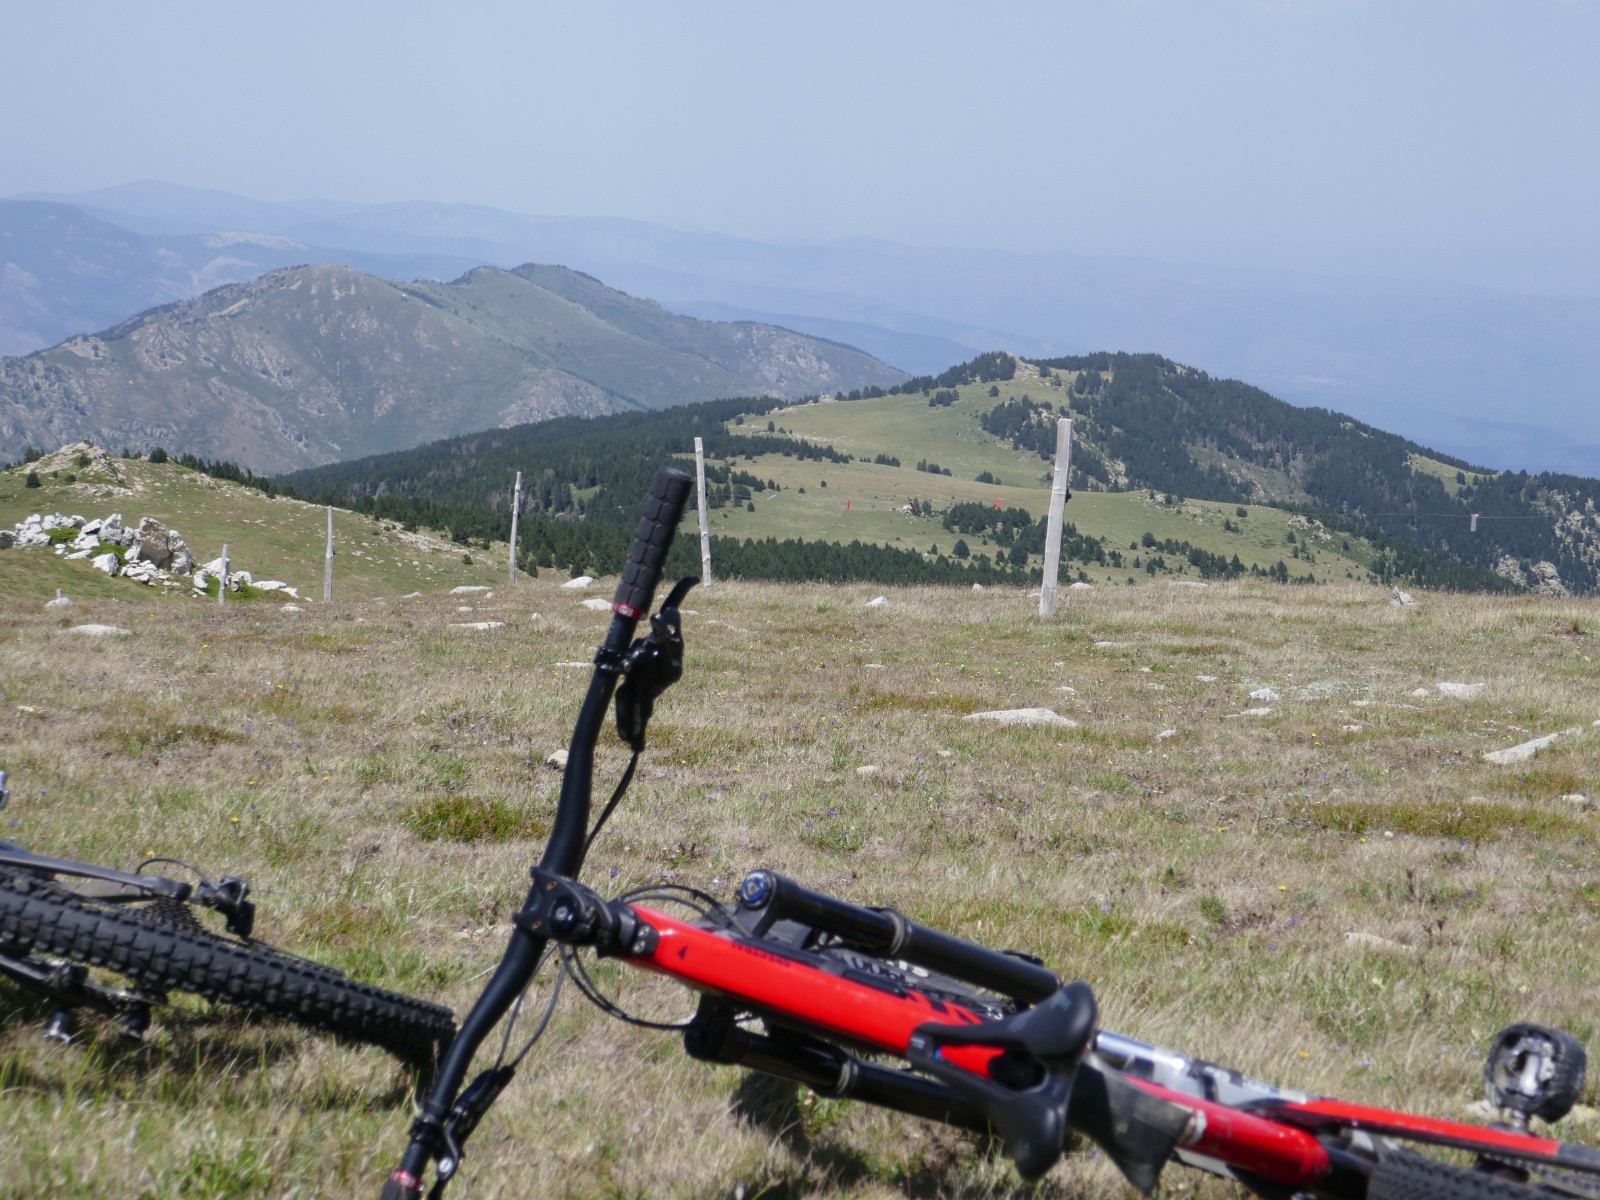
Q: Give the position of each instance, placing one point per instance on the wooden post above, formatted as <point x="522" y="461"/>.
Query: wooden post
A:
<point x="1058" y="502"/>
<point x="705" y="517"/>
<point x="327" y="563"/>
<point x="516" y="509"/>
<point x="222" y="585"/>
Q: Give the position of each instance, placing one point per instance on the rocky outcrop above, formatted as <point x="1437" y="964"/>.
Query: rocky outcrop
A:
<point x="1542" y="578"/>
<point x="152" y="554"/>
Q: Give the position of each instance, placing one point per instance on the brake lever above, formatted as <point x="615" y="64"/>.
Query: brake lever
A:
<point x="651" y="665"/>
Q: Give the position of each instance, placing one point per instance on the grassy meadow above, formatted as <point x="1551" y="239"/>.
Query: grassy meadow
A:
<point x="905" y="427"/>
<point x="379" y="776"/>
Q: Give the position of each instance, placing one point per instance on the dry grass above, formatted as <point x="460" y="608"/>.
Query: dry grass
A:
<point x="379" y="777"/>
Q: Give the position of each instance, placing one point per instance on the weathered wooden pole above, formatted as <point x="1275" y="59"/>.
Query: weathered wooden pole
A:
<point x="327" y="563"/>
<point x="516" y="509"/>
<point x="222" y="586"/>
<point x="1058" y="503"/>
<point x="705" y="517"/>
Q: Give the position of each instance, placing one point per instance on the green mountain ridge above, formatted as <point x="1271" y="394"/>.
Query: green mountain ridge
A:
<point x="316" y="364"/>
<point x="1164" y="455"/>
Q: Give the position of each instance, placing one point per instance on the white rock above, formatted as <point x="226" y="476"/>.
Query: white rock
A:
<point x="874" y="667"/>
<point x="1351" y="728"/>
<point x="62" y="600"/>
<point x="468" y="589"/>
<point x="1265" y="694"/>
<point x="1078" y="585"/>
<point x="1400" y="598"/>
<point x="1520" y="753"/>
<point x="465" y="608"/>
<point x="1068" y="688"/>
<point x="1192" y="583"/>
<point x="1249" y="712"/>
<point x="89" y="527"/>
<point x="877" y="602"/>
<point x="272" y="585"/>
<point x="947" y="754"/>
<point x="99" y="630"/>
<point x="1576" y="797"/>
<point x="1421" y="693"/>
<point x="1110" y="645"/>
<point x="1371" y="941"/>
<point x="478" y="625"/>
<point x="292" y="608"/>
<point x="1023" y="716"/>
<point x="574" y="664"/>
<point x="557" y="758"/>
<point x="597" y="604"/>
<point x="1206" y="678"/>
<point x="105" y="562"/>
<point x="578" y="584"/>
<point x="1460" y="691"/>
<point x="536" y="617"/>
<point x="869" y="769"/>
<point x="74" y="557"/>
<point x="1165" y="734"/>
<point x="411" y="596"/>
<point x="977" y="587"/>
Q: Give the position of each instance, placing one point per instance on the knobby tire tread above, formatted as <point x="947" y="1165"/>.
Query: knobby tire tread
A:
<point x="157" y="955"/>
<point x="1403" y="1175"/>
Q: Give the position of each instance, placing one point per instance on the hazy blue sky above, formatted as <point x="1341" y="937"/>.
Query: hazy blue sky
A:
<point x="1456" y="139"/>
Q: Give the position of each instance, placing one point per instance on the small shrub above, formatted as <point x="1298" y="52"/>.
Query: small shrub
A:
<point x="33" y="480"/>
<point x="158" y="455"/>
<point x="83" y="459"/>
<point x="466" y="560"/>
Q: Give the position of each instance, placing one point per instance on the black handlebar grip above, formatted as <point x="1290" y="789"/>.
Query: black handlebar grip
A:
<point x="668" y="495"/>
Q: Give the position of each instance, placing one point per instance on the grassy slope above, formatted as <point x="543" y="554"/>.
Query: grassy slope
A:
<point x="1205" y="883"/>
<point x="270" y="538"/>
<point x="904" y="427"/>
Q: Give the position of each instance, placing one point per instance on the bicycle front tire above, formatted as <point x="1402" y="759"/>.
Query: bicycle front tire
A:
<point x="37" y="917"/>
<point x="1403" y="1175"/>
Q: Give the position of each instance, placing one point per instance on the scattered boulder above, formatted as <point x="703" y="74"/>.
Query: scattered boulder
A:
<point x="1189" y="583"/>
<point x="62" y="600"/>
<point x="557" y="758"/>
<point x="1078" y="585"/>
<point x="106" y="562"/>
<point x="412" y="596"/>
<point x="869" y="769"/>
<point x="1266" y="695"/>
<point x="578" y="584"/>
<point x="99" y="630"/>
<point x="877" y="602"/>
<point x="468" y="589"/>
<point x="1401" y="599"/>
<point x="1460" y="691"/>
<point x="477" y="625"/>
<point x="1521" y="752"/>
<point x="596" y="604"/>
<point x="1371" y="941"/>
<point x="1023" y="716"/>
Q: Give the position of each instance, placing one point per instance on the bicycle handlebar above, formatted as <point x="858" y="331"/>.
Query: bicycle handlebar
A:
<point x="668" y="494"/>
<point x="563" y="852"/>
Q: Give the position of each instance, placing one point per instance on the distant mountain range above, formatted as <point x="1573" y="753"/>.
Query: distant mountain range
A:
<point x="1499" y="378"/>
<point x="310" y="365"/>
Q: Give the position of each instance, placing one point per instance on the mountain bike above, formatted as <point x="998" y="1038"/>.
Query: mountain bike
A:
<point x="117" y="942"/>
<point x="863" y="1003"/>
